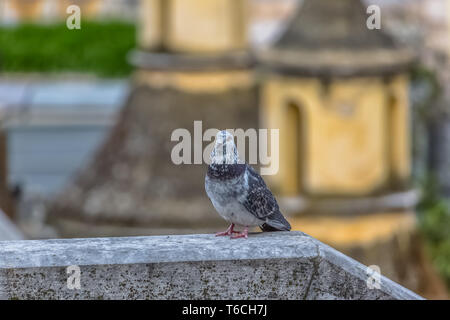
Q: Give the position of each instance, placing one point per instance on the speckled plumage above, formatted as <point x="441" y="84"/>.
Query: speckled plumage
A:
<point x="238" y="192"/>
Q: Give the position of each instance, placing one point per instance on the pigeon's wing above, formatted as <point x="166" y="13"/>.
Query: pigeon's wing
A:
<point x="261" y="203"/>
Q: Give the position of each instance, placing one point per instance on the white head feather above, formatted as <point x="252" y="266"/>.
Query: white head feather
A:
<point x="225" y="151"/>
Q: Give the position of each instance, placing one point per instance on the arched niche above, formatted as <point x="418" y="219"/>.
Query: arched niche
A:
<point x="294" y="128"/>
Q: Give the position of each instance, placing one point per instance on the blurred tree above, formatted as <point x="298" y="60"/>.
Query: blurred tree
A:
<point x="99" y="48"/>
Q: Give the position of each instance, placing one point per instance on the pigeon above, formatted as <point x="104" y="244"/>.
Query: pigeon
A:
<point x="238" y="192"/>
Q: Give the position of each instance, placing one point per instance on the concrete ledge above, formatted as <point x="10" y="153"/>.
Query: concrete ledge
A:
<point x="279" y="265"/>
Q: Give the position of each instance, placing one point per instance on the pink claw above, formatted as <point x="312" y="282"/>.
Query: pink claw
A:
<point x="227" y="232"/>
<point x="243" y="234"/>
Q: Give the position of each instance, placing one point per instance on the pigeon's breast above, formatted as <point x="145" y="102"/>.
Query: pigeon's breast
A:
<point x="224" y="191"/>
<point x="227" y="197"/>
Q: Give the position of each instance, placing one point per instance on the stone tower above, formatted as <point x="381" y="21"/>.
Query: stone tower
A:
<point x="191" y="65"/>
<point x="341" y="90"/>
<point x="338" y="92"/>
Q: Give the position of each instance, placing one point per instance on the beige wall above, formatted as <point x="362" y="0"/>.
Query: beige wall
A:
<point x="149" y="30"/>
<point x="351" y="139"/>
<point x="196" y="81"/>
<point x="400" y="151"/>
<point x="56" y="10"/>
<point x="88" y="8"/>
<point x="194" y="25"/>
<point x="24" y="10"/>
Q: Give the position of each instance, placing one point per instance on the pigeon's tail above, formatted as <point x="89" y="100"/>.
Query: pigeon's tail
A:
<point x="276" y="222"/>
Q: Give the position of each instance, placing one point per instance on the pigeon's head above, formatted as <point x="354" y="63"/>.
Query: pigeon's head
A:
<point x="225" y="151"/>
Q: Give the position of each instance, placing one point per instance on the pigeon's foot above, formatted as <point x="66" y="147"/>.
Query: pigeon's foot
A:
<point x="243" y="234"/>
<point x="227" y="232"/>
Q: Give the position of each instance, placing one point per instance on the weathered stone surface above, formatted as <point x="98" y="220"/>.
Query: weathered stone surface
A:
<point x="281" y="265"/>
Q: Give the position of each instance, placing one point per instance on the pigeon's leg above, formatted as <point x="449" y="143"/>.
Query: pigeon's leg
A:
<point x="227" y="232"/>
<point x="243" y="234"/>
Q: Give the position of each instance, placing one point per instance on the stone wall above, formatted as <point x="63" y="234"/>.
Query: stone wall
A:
<point x="281" y="265"/>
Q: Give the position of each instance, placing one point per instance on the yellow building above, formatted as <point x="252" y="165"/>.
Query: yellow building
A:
<point x="193" y="26"/>
<point x="338" y="92"/>
<point x="193" y="45"/>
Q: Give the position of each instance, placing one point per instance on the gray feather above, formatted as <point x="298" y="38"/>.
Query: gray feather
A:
<point x="261" y="203"/>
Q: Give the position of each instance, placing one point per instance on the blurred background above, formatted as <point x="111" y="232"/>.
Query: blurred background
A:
<point x="364" y="117"/>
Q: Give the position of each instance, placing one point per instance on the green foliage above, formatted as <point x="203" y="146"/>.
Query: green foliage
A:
<point x="434" y="221"/>
<point x="98" y="47"/>
<point x="425" y="82"/>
